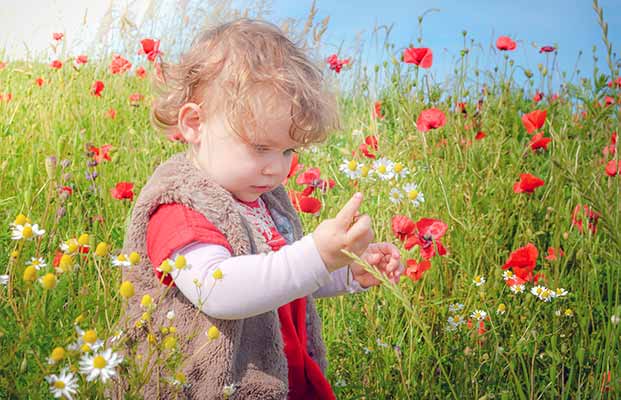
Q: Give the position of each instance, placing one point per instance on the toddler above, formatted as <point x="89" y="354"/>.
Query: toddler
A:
<point x="244" y="98"/>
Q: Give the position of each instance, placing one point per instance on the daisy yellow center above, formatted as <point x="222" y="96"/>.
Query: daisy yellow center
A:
<point x="30" y="273"/>
<point x="166" y="267"/>
<point x="180" y="262"/>
<point x="85" y="348"/>
<point x="48" y="280"/>
<point x="381" y="169"/>
<point x="412" y="194"/>
<point x="83" y="239"/>
<point x="477" y="278"/>
<point x="539" y="290"/>
<point x="217" y="274"/>
<point x="352" y="165"/>
<point x="72" y="246"/>
<point x="102" y="249"/>
<point x="27" y="232"/>
<point x="569" y="312"/>
<point x="121" y="258"/>
<point x="59" y="385"/>
<point x="134" y="258"/>
<point x="364" y="171"/>
<point x="99" y="362"/>
<point x="20" y="220"/>
<point x="395" y="195"/>
<point x="36" y="263"/>
<point x="398" y="167"/>
<point x="90" y="336"/>
<point x="502" y="308"/>
<point x="58" y="354"/>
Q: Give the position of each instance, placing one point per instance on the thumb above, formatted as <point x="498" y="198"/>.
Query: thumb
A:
<point x="345" y="217"/>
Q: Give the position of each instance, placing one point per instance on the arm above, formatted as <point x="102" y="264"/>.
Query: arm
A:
<point x="251" y="284"/>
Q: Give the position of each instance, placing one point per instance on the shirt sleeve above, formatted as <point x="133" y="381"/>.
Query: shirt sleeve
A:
<point x="339" y="285"/>
<point x="250" y="284"/>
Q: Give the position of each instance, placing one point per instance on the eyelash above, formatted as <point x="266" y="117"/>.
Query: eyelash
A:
<point x="262" y="149"/>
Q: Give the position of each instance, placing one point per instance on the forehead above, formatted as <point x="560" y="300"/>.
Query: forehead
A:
<point x="273" y="121"/>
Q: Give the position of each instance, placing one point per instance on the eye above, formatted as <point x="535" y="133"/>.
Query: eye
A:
<point x="289" y="152"/>
<point x="259" y="148"/>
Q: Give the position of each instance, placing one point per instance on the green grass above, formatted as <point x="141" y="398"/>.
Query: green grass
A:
<point x="391" y="342"/>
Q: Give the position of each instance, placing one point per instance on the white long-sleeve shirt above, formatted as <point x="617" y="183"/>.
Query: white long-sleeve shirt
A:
<point x="255" y="284"/>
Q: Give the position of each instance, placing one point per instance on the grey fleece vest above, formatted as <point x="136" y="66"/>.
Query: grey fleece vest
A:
<point x="249" y="352"/>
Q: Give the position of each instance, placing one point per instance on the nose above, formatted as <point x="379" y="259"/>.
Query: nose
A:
<point x="276" y="167"/>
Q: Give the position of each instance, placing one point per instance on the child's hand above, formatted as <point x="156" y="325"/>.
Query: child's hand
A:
<point x="385" y="257"/>
<point x="345" y="231"/>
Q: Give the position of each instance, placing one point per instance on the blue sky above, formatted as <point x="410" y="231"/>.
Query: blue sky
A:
<point x="569" y="24"/>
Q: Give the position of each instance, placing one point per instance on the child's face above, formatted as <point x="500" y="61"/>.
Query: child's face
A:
<point x="247" y="170"/>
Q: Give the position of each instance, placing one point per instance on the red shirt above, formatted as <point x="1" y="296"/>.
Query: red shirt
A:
<point x="174" y="226"/>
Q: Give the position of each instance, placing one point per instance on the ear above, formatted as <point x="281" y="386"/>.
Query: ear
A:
<point x="190" y="122"/>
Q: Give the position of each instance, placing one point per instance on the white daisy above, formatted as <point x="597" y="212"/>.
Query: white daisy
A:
<point x="400" y="170"/>
<point x="455" y="307"/>
<point x="100" y="365"/>
<point x="4" y="280"/>
<point x="479" y="280"/>
<point x="502" y="308"/>
<point x="507" y="275"/>
<point x="70" y="246"/>
<point x="383" y="168"/>
<point x="413" y="194"/>
<point x="122" y="260"/>
<point x="479" y="315"/>
<point x="26" y="231"/>
<point x="229" y="390"/>
<point x="560" y="292"/>
<point x="170" y="315"/>
<point x="519" y="288"/>
<point x="87" y="341"/>
<point x="63" y="385"/>
<point x="454" y="321"/>
<point x="395" y="195"/>
<point x="547" y="295"/>
<point x="38" y="263"/>
<point x="351" y="168"/>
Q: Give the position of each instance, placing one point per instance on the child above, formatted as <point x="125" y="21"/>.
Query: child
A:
<point x="244" y="98"/>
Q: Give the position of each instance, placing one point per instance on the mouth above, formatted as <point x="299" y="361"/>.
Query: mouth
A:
<point x="263" y="188"/>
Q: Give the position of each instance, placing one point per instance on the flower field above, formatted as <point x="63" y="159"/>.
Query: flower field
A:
<point x="504" y="199"/>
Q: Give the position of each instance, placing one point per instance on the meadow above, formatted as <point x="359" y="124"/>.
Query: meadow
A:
<point x="503" y="197"/>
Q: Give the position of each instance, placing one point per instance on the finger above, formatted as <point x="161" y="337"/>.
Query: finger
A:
<point x="360" y="230"/>
<point x="345" y="217"/>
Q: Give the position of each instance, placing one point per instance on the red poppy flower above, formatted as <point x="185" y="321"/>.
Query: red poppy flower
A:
<point x="369" y="142"/>
<point x="423" y="56"/>
<point x="415" y="270"/>
<point x="480" y="135"/>
<point x="39" y="81"/>
<point x="583" y="211"/>
<point x="523" y="261"/>
<point x="538" y="96"/>
<point x="81" y="59"/>
<point x="123" y="190"/>
<point x="3" y="65"/>
<point x="58" y="36"/>
<point x="56" y="64"/>
<point x="534" y="120"/>
<point x="97" y="88"/>
<point x="554" y="254"/>
<point x="100" y="154"/>
<point x="402" y="227"/>
<point x="613" y="167"/>
<point x="539" y="142"/>
<point x="612" y="147"/>
<point x="303" y="203"/>
<point x="505" y="43"/>
<point x="111" y="113"/>
<point x="118" y="65"/>
<point x="608" y="101"/>
<point x="66" y="189"/>
<point x="377" y="110"/>
<point x="616" y="82"/>
<point x="527" y="184"/>
<point x="135" y="98"/>
<point x="547" y="49"/>
<point x="151" y="48"/>
<point x="312" y="179"/>
<point x="57" y="256"/>
<point x="337" y="64"/>
<point x="7" y="97"/>
<point x="428" y="231"/>
<point x="431" y="118"/>
<point x="295" y="166"/>
<point x="141" y="72"/>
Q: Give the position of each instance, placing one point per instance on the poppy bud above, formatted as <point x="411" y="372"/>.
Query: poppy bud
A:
<point x="528" y="73"/>
<point x="50" y="166"/>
